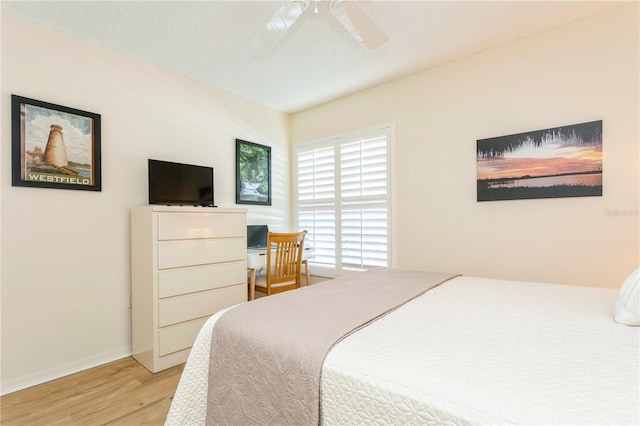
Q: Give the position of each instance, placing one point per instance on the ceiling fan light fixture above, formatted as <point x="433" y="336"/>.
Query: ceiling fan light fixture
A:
<point x="348" y="13"/>
<point x="358" y="23"/>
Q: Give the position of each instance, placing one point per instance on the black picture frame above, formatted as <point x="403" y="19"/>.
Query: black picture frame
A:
<point x="40" y="155"/>
<point x="253" y="173"/>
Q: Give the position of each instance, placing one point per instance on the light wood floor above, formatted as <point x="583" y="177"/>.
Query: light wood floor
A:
<point x="120" y="393"/>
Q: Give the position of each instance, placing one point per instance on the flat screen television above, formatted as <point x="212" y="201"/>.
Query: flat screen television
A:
<point x="180" y="184"/>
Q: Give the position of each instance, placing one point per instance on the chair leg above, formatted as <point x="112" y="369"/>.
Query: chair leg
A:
<point x="306" y="270"/>
<point x="252" y="284"/>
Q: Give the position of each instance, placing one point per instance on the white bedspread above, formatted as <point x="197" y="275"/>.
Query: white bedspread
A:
<point x="470" y="351"/>
<point x="488" y="352"/>
<point x="189" y="406"/>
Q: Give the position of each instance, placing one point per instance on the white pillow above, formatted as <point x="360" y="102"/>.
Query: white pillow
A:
<point x="626" y="306"/>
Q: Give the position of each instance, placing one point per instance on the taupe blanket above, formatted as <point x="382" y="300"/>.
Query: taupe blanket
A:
<point x="267" y="355"/>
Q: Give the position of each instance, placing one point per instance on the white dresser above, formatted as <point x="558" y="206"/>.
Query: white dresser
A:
<point x="186" y="264"/>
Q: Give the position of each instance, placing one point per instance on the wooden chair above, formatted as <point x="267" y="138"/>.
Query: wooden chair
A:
<point x="284" y="258"/>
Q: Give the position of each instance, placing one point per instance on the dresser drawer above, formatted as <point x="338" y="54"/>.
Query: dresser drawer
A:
<point x="174" y="282"/>
<point x="181" y="226"/>
<point x="179" y="337"/>
<point x="173" y="254"/>
<point x="196" y="305"/>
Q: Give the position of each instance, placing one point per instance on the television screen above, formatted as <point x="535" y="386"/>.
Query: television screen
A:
<point x="180" y="184"/>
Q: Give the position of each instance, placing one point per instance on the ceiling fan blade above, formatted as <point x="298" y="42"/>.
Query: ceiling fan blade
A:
<point x="355" y="20"/>
<point x="271" y="33"/>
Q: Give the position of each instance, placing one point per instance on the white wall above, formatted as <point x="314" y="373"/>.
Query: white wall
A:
<point x="65" y="254"/>
<point x="584" y="71"/>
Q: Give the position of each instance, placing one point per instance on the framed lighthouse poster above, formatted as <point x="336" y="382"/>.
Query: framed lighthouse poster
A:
<point x="54" y="146"/>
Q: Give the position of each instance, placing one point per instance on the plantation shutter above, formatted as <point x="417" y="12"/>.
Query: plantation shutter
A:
<point x="343" y="195"/>
<point x="317" y="193"/>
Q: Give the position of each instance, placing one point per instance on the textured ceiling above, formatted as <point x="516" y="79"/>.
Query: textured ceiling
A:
<point x="317" y="60"/>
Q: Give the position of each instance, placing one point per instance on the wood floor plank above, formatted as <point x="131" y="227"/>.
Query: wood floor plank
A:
<point x="129" y="401"/>
<point x="122" y="392"/>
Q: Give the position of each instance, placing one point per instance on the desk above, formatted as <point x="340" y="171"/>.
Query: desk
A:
<point x="257" y="258"/>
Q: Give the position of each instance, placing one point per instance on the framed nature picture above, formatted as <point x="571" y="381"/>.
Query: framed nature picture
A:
<point x="253" y="173"/>
<point x="558" y="162"/>
<point x="53" y="146"/>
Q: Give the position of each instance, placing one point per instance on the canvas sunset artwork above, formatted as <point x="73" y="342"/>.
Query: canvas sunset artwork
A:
<point x="557" y="162"/>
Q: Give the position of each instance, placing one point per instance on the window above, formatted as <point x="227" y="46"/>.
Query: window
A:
<point x="343" y="200"/>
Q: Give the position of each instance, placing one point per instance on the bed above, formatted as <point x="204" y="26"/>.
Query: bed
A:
<point x="464" y="351"/>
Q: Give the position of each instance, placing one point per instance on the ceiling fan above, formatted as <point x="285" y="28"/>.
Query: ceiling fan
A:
<point x="348" y="12"/>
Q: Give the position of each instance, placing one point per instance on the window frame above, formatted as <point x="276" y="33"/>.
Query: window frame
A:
<point x="336" y="141"/>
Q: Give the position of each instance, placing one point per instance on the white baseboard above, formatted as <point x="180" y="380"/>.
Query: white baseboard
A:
<point x="44" y="376"/>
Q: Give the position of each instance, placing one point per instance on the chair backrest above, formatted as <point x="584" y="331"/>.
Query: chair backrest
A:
<point x="284" y="257"/>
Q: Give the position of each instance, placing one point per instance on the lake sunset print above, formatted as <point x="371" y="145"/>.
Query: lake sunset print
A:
<point x="558" y="162"/>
